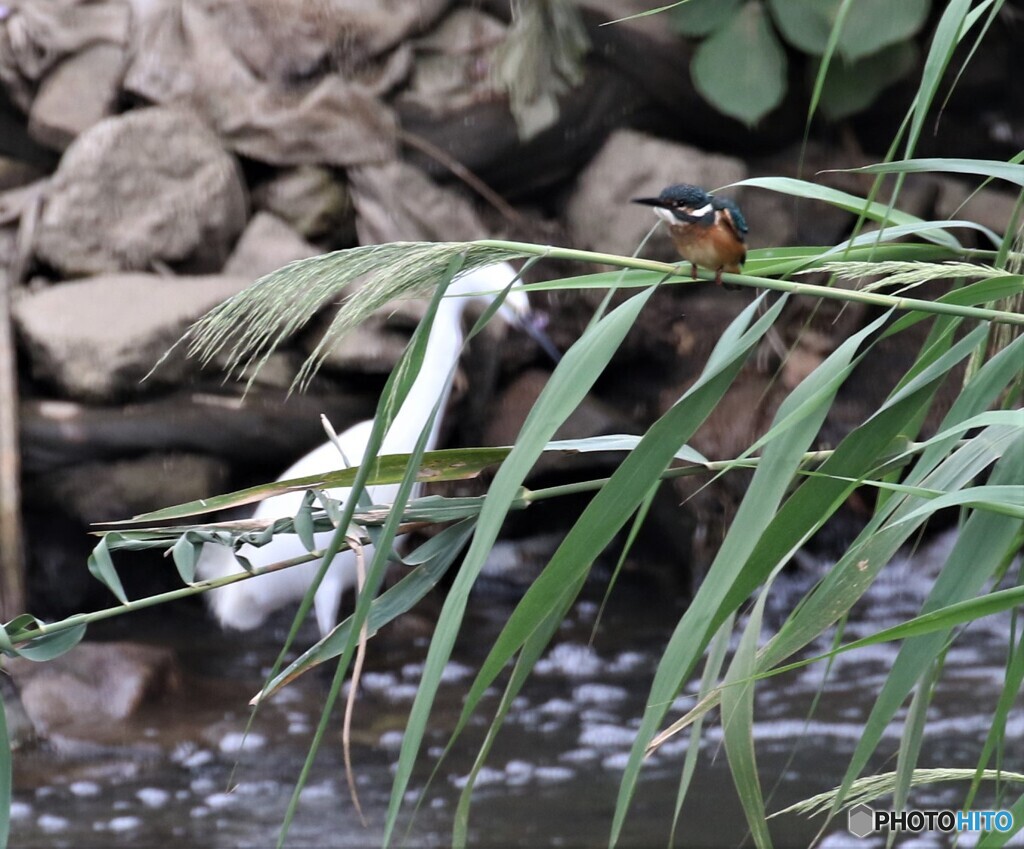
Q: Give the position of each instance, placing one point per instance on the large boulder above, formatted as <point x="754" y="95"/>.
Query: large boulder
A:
<point x="147" y="187"/>
<point x="312" y="199"/>
<point x="107" y="491"/>
<point x="96" y="339"/>
<point x="81" y="91"/>
<point x="85" y="693"/>
<point x="267" y="244"/>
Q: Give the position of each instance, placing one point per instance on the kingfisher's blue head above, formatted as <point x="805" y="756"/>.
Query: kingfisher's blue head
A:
<point x="682" y="204"/>
<point x="688" y="204"/>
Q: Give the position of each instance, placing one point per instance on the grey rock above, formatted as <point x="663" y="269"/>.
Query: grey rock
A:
<point x="113" y="490"/>
<point x="81" y="692"/>
<point x="630" y="165"/>
<point x="150" y="186"/>
<point x="267" y="244"/>
<point x="97" y="338"/>
<point x="78" y="93"/>
<point x="313" y="200"/>
<point x="988" y="206"/>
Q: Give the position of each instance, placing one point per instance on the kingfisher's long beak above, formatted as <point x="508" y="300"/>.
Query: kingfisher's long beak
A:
<point x="650" y="202"/>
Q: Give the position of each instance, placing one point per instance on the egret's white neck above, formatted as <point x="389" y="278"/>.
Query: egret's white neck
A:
<point x="431" y="385"/>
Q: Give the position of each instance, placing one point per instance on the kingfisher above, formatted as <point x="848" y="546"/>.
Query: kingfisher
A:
<point x="707" y="231"/>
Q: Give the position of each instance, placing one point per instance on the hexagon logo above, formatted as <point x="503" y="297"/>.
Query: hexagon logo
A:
<point x="861" y="821"/>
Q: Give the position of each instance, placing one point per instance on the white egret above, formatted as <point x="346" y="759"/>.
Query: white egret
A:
<point x="245" y="604"/>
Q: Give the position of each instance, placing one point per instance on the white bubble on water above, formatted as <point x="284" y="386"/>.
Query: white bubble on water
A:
<point x="152" y="797"/>
<point x="51" y="823"/>
<point x="124" y="824"/>
<point x="237" y="741"/>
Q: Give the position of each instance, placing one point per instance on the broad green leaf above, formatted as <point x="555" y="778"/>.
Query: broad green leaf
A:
<point x="701" y="17"/>
<point x="741" y="68"/>
<point x="870" y="25"/>
<point x="303" y="521"/>
<point x="873" y="25"/>
<point x="805" y="24"/>
<point x="852" y="87"/>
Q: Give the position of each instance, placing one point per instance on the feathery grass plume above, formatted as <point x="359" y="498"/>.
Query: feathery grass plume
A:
<point x="907" y="274"/>
<point x="248" y="327"/>
<point x="872" y="787"/>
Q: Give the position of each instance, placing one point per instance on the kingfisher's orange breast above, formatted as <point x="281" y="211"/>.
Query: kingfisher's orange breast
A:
<point x="714" y="247"/>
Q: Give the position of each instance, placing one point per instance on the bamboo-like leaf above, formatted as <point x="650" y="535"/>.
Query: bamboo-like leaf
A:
<point x="1012" y="683"/>
<point x="717" y="650"/>
<point x="851" y="203"/>
<point x="987" y="168"/>
<point x="445" y="465"/>
<point x="6" y="782"/>
<point x="876" y="237"/>
<point x="430" y="561"/>
<point x="726" y="586"/>
<point x="101" y="566"/>
<point x="49" y="646"/>
<point x="572" y="379"/>
<point x="528" y="657"/>
<point x="1007" y="500"/>
<point x="448" y="464"/>
<point x="743" y="562"/>
<point x="979" y="548"/>
<point x="953" y="25"/>
<point x="185" y="553"/>
<point x="555" y="589"/>
<point x="738" y="725"/>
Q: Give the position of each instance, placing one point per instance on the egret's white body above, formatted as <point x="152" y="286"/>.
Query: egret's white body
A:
<point x="246" y="604"/>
